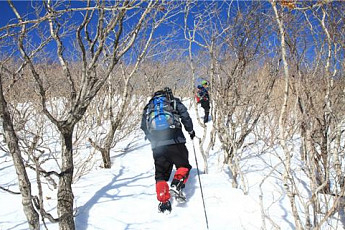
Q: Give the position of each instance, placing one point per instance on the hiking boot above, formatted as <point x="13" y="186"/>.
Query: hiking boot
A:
<point x="178" y="184"/>
<point x="164" y="207"/>
<point x="175" y="189"/>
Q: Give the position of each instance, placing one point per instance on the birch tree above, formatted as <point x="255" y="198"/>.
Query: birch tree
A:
<point x="309" y="90"/>
<point x="233" y="38"/>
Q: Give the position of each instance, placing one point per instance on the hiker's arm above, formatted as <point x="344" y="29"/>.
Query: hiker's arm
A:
<point x="143" y="123"/>
<point x="184" y="115"/>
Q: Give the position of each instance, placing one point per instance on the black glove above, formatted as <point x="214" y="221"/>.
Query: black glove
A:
<point x="192" y="134"/>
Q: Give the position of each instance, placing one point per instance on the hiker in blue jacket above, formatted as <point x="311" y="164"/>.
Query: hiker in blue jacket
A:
<point x="168" y="146"/>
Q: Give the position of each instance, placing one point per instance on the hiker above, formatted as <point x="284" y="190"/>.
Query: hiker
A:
<point x="203" y="98"/>
<point x="162" y="127"/>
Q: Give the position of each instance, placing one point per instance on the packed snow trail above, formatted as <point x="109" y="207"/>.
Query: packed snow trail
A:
<point x="124" y="198"/>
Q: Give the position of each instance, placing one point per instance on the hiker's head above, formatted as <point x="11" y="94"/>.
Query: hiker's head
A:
<point x="168" y="93"/>
<point x="159" y="93"/>
<point x="204" y="83"/>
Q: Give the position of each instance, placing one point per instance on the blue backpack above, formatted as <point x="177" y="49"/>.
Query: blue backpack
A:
<point x="161" y="115"/>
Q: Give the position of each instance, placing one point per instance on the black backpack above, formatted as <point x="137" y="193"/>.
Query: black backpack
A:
<point x="161" y="115"/>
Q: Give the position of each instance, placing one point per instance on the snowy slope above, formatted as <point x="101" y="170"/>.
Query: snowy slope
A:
<point x="123" y="197"/>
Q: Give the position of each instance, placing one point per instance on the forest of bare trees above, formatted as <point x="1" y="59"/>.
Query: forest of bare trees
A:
<point x="79" y="74"/>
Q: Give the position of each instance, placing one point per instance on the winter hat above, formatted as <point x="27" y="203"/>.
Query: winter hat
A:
<point x="204" y="82"/>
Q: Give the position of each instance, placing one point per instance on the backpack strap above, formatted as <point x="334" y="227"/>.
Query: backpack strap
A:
<point x="174" y="106"/>
<point x="161" y="105"/>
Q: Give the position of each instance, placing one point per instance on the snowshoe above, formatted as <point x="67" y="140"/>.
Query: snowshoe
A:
<point x="164" y="207"/>
<point x="177" y="194"/>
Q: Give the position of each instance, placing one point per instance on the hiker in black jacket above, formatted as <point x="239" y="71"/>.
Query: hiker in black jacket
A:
<point x="168" y="146"/>
<point x="203" y="98"/>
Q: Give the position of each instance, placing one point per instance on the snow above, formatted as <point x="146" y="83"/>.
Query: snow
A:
<point x="123" y="197"/>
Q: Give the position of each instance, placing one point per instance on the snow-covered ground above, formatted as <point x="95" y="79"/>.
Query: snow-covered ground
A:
<point x="123" y="197"/>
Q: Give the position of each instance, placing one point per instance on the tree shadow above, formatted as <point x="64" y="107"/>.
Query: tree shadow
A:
<point x="20" y="226"/>
<point x="6" y="161"/>
<point x="128" y="149"/>
<point x="4" y="154"/>
<point x="6" y="167"/>
<point x="341" y="212"/>
<point x="115" y="184"/>
<point x="286" y="215"/>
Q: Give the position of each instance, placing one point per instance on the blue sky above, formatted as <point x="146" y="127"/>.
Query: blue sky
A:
<point x="25" y="7"/>
<point x="6" y="13"/>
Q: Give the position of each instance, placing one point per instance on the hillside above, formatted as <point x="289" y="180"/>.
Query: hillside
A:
<point x="123" y="197"/>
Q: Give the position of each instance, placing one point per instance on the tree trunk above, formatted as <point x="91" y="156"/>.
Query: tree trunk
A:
<point x="65" y="194"/>
<point x="106" y="158"/>
<point x="283" y="120"/>
<point x="23" y="179"/>
<point x="107" y="144"/>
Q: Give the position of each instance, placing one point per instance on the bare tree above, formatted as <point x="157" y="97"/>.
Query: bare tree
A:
<point x="287" y="176"/>
<point x="233" y="39"/>
<point x="199" y="29"/>
<point x="316" y="100"/>
<point x="12" y="142"/>
<point x="101" y="48"/>
<point x="126" y="102"/>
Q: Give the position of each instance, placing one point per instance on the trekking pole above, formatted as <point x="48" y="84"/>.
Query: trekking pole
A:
<point x="202" y="194"/>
